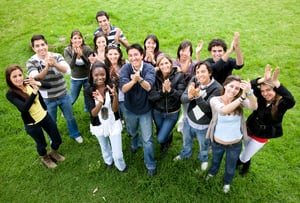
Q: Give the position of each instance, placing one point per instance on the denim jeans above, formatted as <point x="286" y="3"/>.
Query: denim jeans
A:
<point x="65" y="105"/>
<point x="144" y="121"/>
<point x="36" y="132"/>
<point x="164" y="123"/>
<point x="188" y="134"/>
<point x="232" y="155"/>
<point x="75" y="87"/>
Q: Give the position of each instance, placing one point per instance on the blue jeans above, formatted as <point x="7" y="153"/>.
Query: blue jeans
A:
<point x="36" y="132"/>
<point x="188" y="134"/>
<point x="164" y="123"/>
<point x="65" y="105"/>
<point x="144" y="121"/>
<point x="75" y="87"/>
<point x="232" y="155"/>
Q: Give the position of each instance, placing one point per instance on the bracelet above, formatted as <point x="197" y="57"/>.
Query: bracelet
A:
<point x="248" y="94"/>
<point x="242" y="98"/>
<point x="141" y="81"/>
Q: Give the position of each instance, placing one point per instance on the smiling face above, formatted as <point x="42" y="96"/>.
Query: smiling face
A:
<point x="40" y="48"/>
<point x="217" y="52"/>
<point x="101" y="43"/>
<point x="17" y="78"/>
<point x="165" y="66"/>
<point x="76" y="41"/>
<point x="150" y="45"/>
<point x="232" y="89"/>
<point x="267" y="92"/>
<point x="104" y="23"/>
<point x="202" y="75"/>
<point x="99" y="76"/>
<point x="113" y="56"/>
<point x="185" y="53"/>
<point x="135" y="58"/>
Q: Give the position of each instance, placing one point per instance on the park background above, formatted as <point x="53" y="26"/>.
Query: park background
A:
<point x="269" y="33"/>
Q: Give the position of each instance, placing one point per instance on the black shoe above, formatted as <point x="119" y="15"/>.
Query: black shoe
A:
<point x="109" y="166"/>
<point x="152" y="172"/>
<point x="245" y="168"/>
<point x="238" y="163"/>
<point x="125" y="170"/>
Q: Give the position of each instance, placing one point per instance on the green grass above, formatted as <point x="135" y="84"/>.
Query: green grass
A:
<point x="269" y="34"/>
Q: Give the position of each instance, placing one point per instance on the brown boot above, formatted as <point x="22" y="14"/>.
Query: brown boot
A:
<point x="46" y="160"/>
<point x="56" y="156"/>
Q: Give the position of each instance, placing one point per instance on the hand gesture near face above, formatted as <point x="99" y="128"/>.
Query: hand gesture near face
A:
<point x="136" y="76"/>
<point x="193" y="92"/>
<point x="98" y="96"/>
<point x="166" y="86"/>
<point x="112" y="90"/>
<point x="78" y="51"/>
<point x="199" y="46"/>
<point x="246" y="87"/>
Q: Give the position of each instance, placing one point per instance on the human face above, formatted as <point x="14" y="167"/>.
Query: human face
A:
<point x="165" y="67"/>
<point x="232" y="89"/>
<point x="104" y="23"/>
<point x="135" y="58"/>
<point x="40" y="48"/>
<point x="202" y="75"/>
<point x="185" y="54"/>
<point x="101" y="43"/>
<point x="99" y="76"/>
<point x="150" y="45"/>
<point x="217" y="52"/>
<point x="113" y="56"/>
<point x="267" y="92"/>
<point x="17" y="78"/>
<point x="76" y="41"/>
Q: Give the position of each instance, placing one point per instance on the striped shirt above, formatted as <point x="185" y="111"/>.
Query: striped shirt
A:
<point x="111" y="35"/>
<point x="56" y="79"/>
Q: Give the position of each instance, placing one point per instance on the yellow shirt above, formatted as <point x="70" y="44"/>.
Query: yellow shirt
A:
<point x="36" y="110"/>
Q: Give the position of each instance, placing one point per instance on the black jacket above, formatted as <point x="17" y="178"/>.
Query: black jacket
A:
<point x="261" y="123"/>
<point x="167" y="102"/>
<point x="24" y="105"/>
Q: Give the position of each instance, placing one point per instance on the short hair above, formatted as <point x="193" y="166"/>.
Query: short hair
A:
<point x="155" y="39"/>
<point x="208" y="67"/>
<point x="183" y="45"/>
<point x="102" y="13"/>
<point x="135" y="46"/>
<point x="37" y="37"/>
<point x="217" y="42"/>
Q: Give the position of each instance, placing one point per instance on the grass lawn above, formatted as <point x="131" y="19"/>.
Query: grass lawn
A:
<point x="269" y="34"/>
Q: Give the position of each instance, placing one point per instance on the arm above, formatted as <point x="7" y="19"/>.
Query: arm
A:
<point x="23" y="106"/>
<point x="237" y="48"/>
<point x="115" y="102"/>
<point x="198" y="50"/>
<point x="70" y="56"/>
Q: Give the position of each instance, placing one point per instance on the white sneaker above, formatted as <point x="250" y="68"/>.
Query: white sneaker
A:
<point x="79" y="139"/>
<point x="209" y="176"/>
<point x="226" y="188"/>
<point x="177" y="158"/>
<point x="204" y="166"/>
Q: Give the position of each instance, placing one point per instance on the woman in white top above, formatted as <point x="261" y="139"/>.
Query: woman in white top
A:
<point x="227" y="126"/>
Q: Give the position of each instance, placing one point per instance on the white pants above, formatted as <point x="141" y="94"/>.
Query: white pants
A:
<point x="251" y="147"/>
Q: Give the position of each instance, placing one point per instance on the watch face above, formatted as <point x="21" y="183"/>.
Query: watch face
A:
<point x="104" y="113"/>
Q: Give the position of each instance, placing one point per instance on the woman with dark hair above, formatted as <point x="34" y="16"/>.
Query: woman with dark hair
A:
<point x="151" y="49"/>
<point x="102" y="102"/>
<point x="227" y="127"/>
<point x="165" y="96"/>
<point x="185" y="65"/>
<point x="24" y="94"/>
<point x="265" y="123"/>
<point x="100" y="43"/>
<point x="76" y="54"/>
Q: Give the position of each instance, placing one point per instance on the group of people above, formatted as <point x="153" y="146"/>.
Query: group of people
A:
<point x="202" y="97"/>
